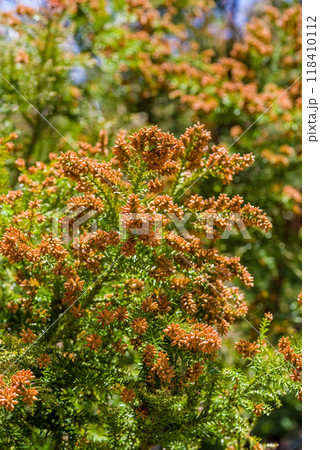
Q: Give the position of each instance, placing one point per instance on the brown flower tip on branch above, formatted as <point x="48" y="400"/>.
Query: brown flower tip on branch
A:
<point x="300" y="299"/>
<point x="18" y="386"/>
<point x="28" y="336"/>
<point x="246" y="348"/>
<point x="127" y="395"/>
<point x="268" y="316"/>
<point x="44" y="360"/>
<point x="295" y="359"/>
<point x="202" y="338"/>
<point x="106" y="317"/>
<point x="162" y="368"/>
<point x="140" y="325"/>
<point x="94" y="341"/>
<point x="258" y="409"/>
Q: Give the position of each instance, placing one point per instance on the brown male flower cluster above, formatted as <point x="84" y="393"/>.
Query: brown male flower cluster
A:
<point x="44" y="360"/>
<point x="77" y="168"/>
<point x="163" y="268"/>
<point x="162" y="368"/>
<point x="127" y="395"/>
<point x="140" y="325"/>
<point x="119" y="346"/>
<point x="93" y="341"/>
<point x="268" y="316"/>
<point x="122" y="314"/>
<point x="188" y="304"/>
<point x="295" y="359"/>
<point x="158" y="150"/>
<point x="15" y="245"/>
<point x="106" y="317"/>
<point x="166" y="204"/>
<point x="72" y="289"/>
<point x="202" y="338"/>
<point x="18" y="385"/>
<point x="27" y="336"/>
<point x="258" y="409"/>
<point x="246" y="348"/>
<point x="195" y="141"/>
<point x="157" y="303"/>
<point x="90" y="247"/>
<point x="223" y="212"/>
<point x="194" y="372"/>
<point x="10" y="197"/>
<point x="134" y="217"/>
<point x="149" y="353"/>
<point x="88" y="202"/>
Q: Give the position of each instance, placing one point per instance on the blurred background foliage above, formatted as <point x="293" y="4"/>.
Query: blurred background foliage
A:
<point x="72" y="68"/>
